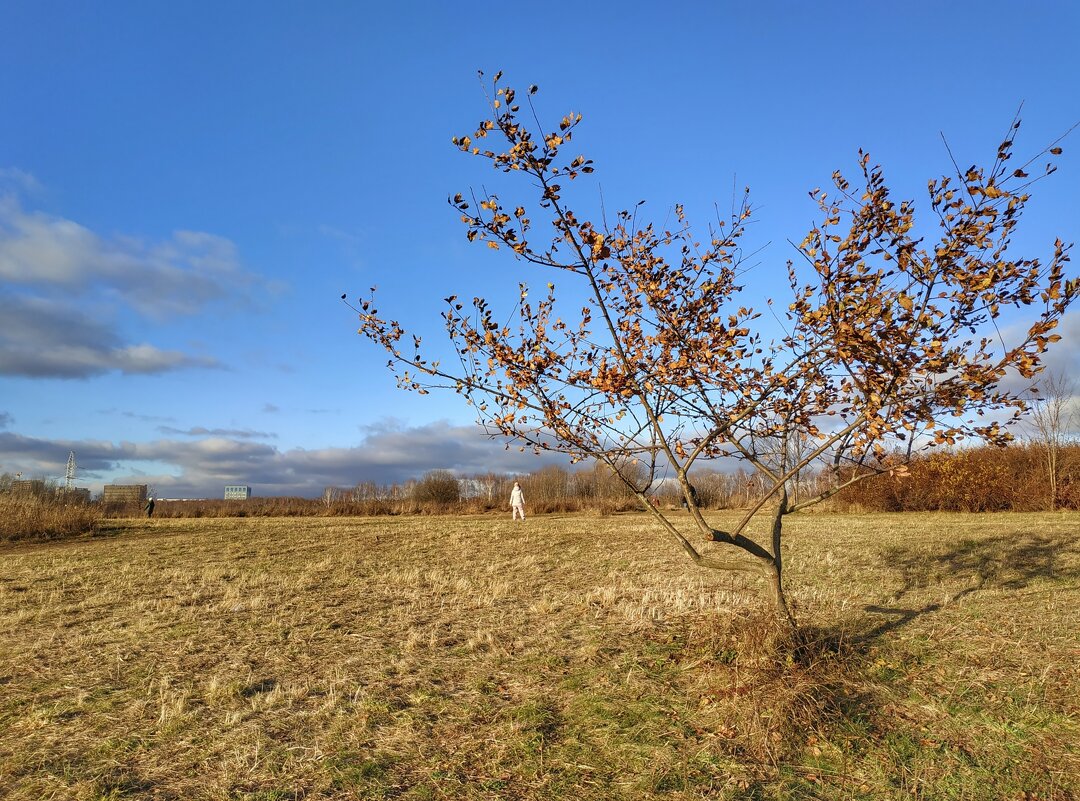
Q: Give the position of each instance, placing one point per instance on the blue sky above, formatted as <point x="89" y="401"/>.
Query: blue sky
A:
<point x="186" y="189"/>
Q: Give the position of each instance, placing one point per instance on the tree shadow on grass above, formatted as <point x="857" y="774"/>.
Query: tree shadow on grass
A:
<point x="109" y="530"/>
<point x="1004" y="562"/>
<point x="1010" y="561"/>
<point x="829" y="681"/>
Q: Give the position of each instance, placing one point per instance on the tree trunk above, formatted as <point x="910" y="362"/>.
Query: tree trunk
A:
<point x="775" y="570"/>
<point x="1052" y="473"/>
<point x="773" y="576"/>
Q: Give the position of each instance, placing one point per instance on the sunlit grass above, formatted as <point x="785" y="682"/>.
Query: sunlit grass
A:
<point x="568" y="657"/>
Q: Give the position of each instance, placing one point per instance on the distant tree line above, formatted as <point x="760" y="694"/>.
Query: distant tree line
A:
<point x="981" y="479"/>
<point x="1025" y="477"/>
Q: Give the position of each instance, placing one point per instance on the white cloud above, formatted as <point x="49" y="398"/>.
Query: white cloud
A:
<point x="63" y="287"/>
<point x="177" y="276"/>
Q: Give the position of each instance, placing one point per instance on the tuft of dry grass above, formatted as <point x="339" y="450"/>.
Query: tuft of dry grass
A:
<point x="30" y="517"/>
<point x="567" y="657"/>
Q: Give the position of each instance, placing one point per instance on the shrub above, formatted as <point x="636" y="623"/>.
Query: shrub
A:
<point x="438" y="489"/>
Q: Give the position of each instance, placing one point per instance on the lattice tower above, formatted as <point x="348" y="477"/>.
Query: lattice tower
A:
<point x="69" y="483"/>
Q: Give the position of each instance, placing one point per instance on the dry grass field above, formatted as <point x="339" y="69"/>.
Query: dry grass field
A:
<point x="568" y="657"/>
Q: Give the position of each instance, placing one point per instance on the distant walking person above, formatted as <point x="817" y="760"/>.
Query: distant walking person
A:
<point x="150" y="508"/>
<point x="517" y="502"/>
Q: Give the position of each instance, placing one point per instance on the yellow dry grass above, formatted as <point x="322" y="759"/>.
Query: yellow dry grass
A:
<point x="567" y="657"/>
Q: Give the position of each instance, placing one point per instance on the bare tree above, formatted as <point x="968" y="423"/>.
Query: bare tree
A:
<point x="886" y="340"/>
<point x="1053" y="418"/>
<point x="331" y="496"/>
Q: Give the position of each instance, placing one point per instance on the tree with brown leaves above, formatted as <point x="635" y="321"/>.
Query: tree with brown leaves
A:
<point x="890" y="342"/>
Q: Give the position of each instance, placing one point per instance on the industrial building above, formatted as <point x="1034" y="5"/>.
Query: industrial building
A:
<point x="74" y="495"/>
<point x="123" y="494"/>
<point x="28" y="486"/>
<point x="238" y="492"/>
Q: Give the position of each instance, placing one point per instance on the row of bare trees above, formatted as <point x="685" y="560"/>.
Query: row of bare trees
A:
<point x="980" y="479"/>
<point x="550" y="489"/>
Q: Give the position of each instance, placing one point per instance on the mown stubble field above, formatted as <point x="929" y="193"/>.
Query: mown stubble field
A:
<point x="567" y="657"/>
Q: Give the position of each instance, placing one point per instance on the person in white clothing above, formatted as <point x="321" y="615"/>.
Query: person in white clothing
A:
<point x="517" y="502"/>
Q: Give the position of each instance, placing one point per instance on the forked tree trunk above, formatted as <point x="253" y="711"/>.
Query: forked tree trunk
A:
<point x="769" y="564"/>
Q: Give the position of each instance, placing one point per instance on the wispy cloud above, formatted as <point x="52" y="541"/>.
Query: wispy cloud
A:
<point x="146" y="418"/>
<point x="13" y="180"/>
<point x="339" y="234"/>
<point x="6" y="420"/>
<point x="200" y="431"/>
